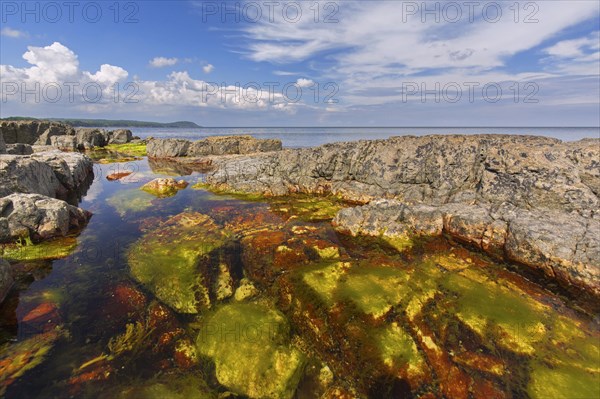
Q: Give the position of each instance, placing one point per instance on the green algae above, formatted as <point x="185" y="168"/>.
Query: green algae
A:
<point x="128" y="149"/>
<point x="130" y="200"/>
<point x="46" y="250"/>
<point x="400" y="243"/>
<point x="563" y="382"/>
<point x="250" y="346"/>
<point x="228" y="193"/>
<point x="169" y="260"/>
<point x="398" y="349"/>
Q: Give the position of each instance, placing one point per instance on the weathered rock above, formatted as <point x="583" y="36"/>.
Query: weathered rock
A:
<point x="50" y="173"/>
<point x="120" y="136"/>
<point x="19" y="149"/>
<point x="569" y="254"/>
<point x="164" y="187"/>
<point x="29" y="132"/>
<point x="6" y="279"/>
<point x="64" y="143"/>
<point x="218" y="145"/>
<point x="38" y="217"/>
<point x="88" y="138"/>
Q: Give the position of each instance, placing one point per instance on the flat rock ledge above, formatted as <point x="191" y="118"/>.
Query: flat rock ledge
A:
<point x="529" y="200"/>
<point x="217" y="145"/>
<point x="565" y="247"/>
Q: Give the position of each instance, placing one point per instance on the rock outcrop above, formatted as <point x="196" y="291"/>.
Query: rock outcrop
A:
<point x="2" y="144"/>
<point x="38" y="217"/>
<point x="531" y="200"/>
<point x="59" y="135"/>
<point x="166" y="187"/>
<point x="565" y="247"/>
<point x="218" y="145"/>
<point x="53" y="173"/>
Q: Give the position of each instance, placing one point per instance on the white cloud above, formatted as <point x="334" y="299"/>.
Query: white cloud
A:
<point x="161" y="62"/>
<point x="14" y="33"/>
<point x="108" y="74"/>
<point x="208" y="68"/>
<point x="305" y="82"/>
<point x="576" y="47"/>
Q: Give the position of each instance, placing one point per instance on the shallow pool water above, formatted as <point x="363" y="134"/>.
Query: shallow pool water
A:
<point x="201" y="295"/>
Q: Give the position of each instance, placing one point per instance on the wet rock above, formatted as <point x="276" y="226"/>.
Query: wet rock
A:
<point x="185" y="354"/>
<point x="38" y="217"/>
<point x="223" y="286"/>
<point x="246" y="290"/>
<point x="169" y="386"/>
<point x="164" y="187"/>
<point x="42" y="318"/>
<point x="249" y="344"/>
<point x="6" y="279"/>
<point x="26" y="251"/>
<point x="117" y="176"/>
<point x="218" y="145"/>
<point x="21" y="357"/>
<point x="570" y="255"/>
<point x="130" y="201"/>
<point x="174" y="261"/>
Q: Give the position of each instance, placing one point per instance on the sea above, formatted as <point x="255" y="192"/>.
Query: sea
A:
<point x="312" y="136"/>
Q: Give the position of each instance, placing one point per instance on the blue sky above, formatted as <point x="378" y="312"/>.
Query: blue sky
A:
<point x="342" y="63"/>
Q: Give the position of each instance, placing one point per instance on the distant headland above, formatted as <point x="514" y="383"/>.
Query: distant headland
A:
<point x="108" y="122"/>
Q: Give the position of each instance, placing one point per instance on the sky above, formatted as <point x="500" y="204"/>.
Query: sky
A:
<point x="304" y="63"/>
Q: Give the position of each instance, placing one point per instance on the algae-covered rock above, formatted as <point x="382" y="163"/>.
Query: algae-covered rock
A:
<point x="46" y="250"/>
<point x="173" y="261"/>
<point x="249" y="344"/>
<point x="188" y="386"/>
<point x="245" y="290"/>
<point x="164" y="187"/>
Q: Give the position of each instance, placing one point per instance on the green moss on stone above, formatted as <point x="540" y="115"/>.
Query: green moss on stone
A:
<point x="249" y="344"/>
<point x="130" y="200"/>
<point x="46" y="250"/>
<point x="129" y="149"/>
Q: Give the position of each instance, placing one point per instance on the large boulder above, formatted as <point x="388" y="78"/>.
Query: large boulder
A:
<point x="54" y="131"/>
<point x="120" y="136"/>
<point x="19" y="149"/>
<point x="64" y="143"/>
<point x="50" y="173"/>
<point x="38" y="217"/>
<point x="2" y="144"/>
<point x="167" y="148"/>
<point x="88" y="138"/>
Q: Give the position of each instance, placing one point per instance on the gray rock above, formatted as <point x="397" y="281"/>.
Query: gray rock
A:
<point x="167" y="148"/>
<point x="19" y="149"/>
<point x="38" y="217"/>
<point x="88" y="138"/>
<point x="218" y="145"/>
<point x="6" y="279"/>
<point x="120" y="136"/>
<point x="64" y="143"/>
<point x="54" y="131"/>
<point x="29" y="132"/>
<point x="52" y="173"/>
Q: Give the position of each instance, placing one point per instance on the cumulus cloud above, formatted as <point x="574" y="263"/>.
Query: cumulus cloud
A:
<point x="14" y="33"/>
<point x="305" y="82"/>
<point x="161" y="62"/>
<point x="208" y="68"/>
<point x="108" y="74"/>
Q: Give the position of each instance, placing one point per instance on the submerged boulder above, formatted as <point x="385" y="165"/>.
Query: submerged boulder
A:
<point x="250" y="345"/>
<point x="164" y="187"/>
<point x="176" y="261"/>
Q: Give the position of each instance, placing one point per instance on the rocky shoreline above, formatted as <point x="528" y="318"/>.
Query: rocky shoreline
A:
<point x="529" y="200"/>
<point x="42" y="179"/>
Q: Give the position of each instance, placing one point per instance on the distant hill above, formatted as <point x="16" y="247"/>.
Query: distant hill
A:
<point x="109" y="122"/>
